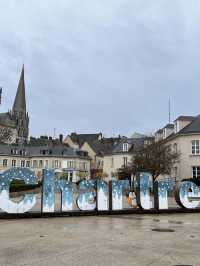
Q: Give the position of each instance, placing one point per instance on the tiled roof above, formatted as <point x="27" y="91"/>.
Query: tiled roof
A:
<point x="42" y="151"/>
<point x="134" y="144"/>
<point x="160" y="131"/>
<point x="81" y="138"/>
<point x="44" y="140"/>
<point x="170" y="126"/>
<point x="105" y="145"/>
<point x="185" y="118"/>
<point x="193" y="127"/>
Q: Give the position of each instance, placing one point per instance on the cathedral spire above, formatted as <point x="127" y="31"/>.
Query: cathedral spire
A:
<point x="19" y="113"/>
<point x="20" y="98"/>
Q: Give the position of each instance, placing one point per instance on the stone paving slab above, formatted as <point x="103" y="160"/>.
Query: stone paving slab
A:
<point x="103" y="240"/>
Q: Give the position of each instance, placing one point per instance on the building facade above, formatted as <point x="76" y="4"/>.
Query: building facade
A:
<point x="97" y="150"/>
<point x="184" y="139"/>
<point x="74" y="164"/>
<point x="121" y="155"/>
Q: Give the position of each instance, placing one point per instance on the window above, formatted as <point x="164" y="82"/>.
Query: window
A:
<point x="195" y="147"/>
<point x="22" y="163"/>
<point x="112" y="162"/>
<point x="34" y="163"/>
<point x="40" y="163"/>
<point x="27" y="163"/>
<point x="196" y="171"/>
<point x="46" y="163"/>
<point x="174" y="173"/>
<point x="125" y="147"/>
<point x="22" y="152"/>
<point x="125" y="161"/>
<point x="84" y="166"/>
<point x="175" y="148"/>
<point x="13" y="163"/>
<point x="56" y="164"/>
<point x="5" y="162"/>
<point x="147" y="142"/>
<point x="70" y="164"/>
<point x="14" y="151"/>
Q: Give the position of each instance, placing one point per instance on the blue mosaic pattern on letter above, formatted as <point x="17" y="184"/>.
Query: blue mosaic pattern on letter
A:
<point x="143" y="186"/>
<point x="86" y="200"/>
<point x="186" y="191"/>
<point x="67" y="189"/>
<point x="162" y="188"/>
<point x="6" y="178"/>
<point x="118" y="188"/>
<point x="48" y="191"/>
<point x="102" y="195"/>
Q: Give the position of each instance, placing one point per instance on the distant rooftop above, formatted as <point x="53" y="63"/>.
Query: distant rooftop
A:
<point x="81" y="138"/>
<point x="170" y="126"/>
<point x="193" y="127"/>
<point x="137" y="135"/>
<point x="185" y="118"/>
<point x="45" y="140"/>
<point x="42" y="151"/>
<point x="105" y="145"/>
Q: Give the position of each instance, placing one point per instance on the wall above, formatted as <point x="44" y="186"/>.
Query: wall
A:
<point x="117" y="162"/>
<point x="187" y="159"/>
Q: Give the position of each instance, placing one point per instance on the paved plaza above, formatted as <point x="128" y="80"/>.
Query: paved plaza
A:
<point x="105" y="240"/>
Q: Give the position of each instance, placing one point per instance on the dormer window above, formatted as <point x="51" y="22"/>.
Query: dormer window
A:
<point x="125" y="147"/>
<point x="14" y="152"/>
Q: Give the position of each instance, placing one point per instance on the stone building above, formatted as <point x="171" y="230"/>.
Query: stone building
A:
<point x="14" y="124"/>
<point x="117" y="159"/>
<point x="184" y="137"/>
<point x="75" y="164"/>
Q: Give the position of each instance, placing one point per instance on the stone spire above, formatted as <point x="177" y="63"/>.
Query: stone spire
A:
<point x="20" y="98"/>
<point x="19" y="113"/>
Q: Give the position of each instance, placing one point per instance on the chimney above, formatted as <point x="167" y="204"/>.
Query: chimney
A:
<point x="61" y="138"/>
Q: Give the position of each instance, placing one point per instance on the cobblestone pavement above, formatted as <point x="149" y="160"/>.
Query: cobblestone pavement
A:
<point x="106" y="240"/>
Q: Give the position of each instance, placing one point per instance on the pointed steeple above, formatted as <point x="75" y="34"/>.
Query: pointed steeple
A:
<point x="19" y="113"/>
<point x="20" y="98"/>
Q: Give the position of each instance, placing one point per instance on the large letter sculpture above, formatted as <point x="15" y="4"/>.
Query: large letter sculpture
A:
<point x="28" y="200"/>
<point x="118" y="189"/>
<point x="185" y="194"/>
<point x="86" y="200"/>
<point x="102" y="195"/>
<point x="143" y="188"/>
<point x="161" y="191"/>
<point x="48" y="191"/>
<point x="67" y="189"/>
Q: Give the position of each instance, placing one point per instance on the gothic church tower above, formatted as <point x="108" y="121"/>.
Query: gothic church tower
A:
<point x="19" y="113"/>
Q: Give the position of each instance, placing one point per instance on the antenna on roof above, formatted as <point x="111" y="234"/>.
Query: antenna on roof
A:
<point x="54" y="133"/>
<point x="169" y="110"/>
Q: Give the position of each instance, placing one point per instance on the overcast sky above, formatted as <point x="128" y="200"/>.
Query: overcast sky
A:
<point x="101" y="65"/>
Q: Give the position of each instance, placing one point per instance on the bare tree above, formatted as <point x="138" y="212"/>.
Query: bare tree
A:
<point x="157" y="158"/>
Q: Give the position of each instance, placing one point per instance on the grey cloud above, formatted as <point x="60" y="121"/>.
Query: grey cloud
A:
<point x="101" y="65"/>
